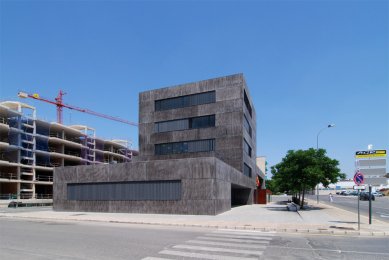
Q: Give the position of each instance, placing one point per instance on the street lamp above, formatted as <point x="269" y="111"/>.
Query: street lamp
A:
<point x="317" y="148"/>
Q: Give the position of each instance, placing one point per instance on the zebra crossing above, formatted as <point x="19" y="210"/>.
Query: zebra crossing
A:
<point x="222" y="244"/>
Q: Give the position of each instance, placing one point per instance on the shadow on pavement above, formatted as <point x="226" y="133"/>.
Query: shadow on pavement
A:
<point x="282" y="202"/>
<point x="343" y="228"/>
<point x="344" y="222"/>
<point x="277" y="208"/>
<point x="311" y="208"/>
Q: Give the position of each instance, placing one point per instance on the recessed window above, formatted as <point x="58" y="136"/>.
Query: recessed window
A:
<point x="124" y="191"/>
<point x="185" y="101"/>
<point x="185" y="124"/>
<point x="247" y="126"/>
<point x="247" y="170"/>
<point x="247" y="103"/>
<point x="185" y="147"/>
<point x="247" y="148"/>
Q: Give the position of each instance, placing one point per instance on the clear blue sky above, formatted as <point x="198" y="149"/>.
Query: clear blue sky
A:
<point x="307" y="63"/>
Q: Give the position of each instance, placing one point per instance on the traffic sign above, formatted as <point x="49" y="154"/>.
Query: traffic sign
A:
<point x="359" y="178"/>
<point x="362" y="187"/>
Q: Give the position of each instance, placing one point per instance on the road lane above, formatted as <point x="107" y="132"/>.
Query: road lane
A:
<point x="380" y="207"/>
<point x="79" y="240"/>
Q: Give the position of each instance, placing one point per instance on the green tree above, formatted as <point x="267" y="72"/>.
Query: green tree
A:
<point x="302" y="170"/>
<point x="271" y="185"/>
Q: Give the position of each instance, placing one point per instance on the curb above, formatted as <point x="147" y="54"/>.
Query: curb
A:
<point x="264" y="229"/>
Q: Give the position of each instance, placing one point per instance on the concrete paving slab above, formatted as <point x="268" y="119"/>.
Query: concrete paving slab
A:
<point x="316" y="219"/>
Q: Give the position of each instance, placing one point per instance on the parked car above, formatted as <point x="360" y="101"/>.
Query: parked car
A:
<point x="353" y="193"/>
<point x="365" y="196"/>
<point x="377" y="194"/>
<point x="15" y="204"/>
<point x="344" y="192"/>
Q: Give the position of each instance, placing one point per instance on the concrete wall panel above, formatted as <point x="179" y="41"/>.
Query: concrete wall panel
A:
<point x="198" y="189"/>
<point x="92" y="173"/>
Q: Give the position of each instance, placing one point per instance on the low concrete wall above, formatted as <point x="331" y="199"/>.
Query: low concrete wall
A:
<point x="205" y="185"/>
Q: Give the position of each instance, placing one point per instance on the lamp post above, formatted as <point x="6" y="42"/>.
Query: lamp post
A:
<point x="317" y="148"/>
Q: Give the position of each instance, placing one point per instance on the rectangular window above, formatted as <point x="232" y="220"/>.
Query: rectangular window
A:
<point x="247" y="170"/>
<point x="247" y="126"/>
<point x="132" y="190"/>
<point x="246" y="148"/>
<point x="247" y="103"/>
<point x="202" y="122"/>
<point x="185" y="101"/>
<point x="185" y="147"/>
<point x="185" y="124"/>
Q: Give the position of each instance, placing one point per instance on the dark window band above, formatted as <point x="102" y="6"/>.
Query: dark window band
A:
<point x="247" y="126"/>
<point x="246" y="148"/>
<point x="185" y="124"/>
<point x="185" y="147"/>
<point x="185" y="101"/>
<point x="133" y="190"/>
<point x="247" y="103"/>
<point x="247" y="170"/>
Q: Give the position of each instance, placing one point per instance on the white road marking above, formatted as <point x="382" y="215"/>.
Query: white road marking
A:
<point x="243" y="233"/>
<point x="155" y="258"/>
<point x="247" y="231"/>
<point x="234" y="240"/>
<point x="218" y="244"/>
<point x="210" y="243"/>
<point x="330" y="250"/>
<point x="239" y="236"/>
<point x="204" y="256"/>
<point x="219" y="249"/>
<point x="383" y="214"/>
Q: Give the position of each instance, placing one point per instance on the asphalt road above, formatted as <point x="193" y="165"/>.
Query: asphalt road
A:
<point x="380" y="207"/>
<point x="20" y="239"/>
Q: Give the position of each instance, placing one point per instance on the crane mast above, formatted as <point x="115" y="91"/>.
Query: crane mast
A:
<point x="60" y="105"/>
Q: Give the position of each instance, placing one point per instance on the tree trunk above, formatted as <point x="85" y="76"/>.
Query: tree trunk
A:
<point x="302" y="201"/>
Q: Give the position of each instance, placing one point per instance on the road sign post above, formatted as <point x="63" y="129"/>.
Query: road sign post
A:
<point x="358" y="180"/>
<point x="369" y="204"/>
<point x="359" y="217"/>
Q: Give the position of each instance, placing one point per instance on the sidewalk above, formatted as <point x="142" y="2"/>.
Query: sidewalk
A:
<point x="321" y="219"/>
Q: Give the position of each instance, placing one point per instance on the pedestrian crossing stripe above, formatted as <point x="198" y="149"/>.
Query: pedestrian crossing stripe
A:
<point x="204" y="256"/>
<point x="239" y="236"/>
<point x="219" y="249"/>
<point x="221" y="245"/>
<point x="256" y="246"/>
<point x="246" y="232"/>
<point x="235" y="240"/>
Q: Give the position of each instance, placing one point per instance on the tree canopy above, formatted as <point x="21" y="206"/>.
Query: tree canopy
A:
<point x="302" y="170"/>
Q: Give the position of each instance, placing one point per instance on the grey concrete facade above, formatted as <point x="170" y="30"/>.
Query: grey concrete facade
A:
<point x="228" y="132"/>
<point x="210" y="182"/>
<point x="206" y="186"/>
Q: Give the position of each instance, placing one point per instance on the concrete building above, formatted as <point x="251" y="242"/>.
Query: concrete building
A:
<point x="262" y="165"/>
<point x="30" y="149"/>
<point x="197" y="145"/>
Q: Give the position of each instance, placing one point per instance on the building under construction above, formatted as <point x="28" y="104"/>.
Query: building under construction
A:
<point x="30" y="148"/>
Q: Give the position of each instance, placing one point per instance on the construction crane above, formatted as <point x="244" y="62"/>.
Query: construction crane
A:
<point x="60" y="105"/>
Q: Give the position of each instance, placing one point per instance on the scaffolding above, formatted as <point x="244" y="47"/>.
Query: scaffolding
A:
<point x="30" y="149"/>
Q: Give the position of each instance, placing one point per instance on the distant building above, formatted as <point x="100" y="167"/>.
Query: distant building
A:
<point x="197" y="145"/>
<point x="30" y="149"/>
<point x="262" y="164"/>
